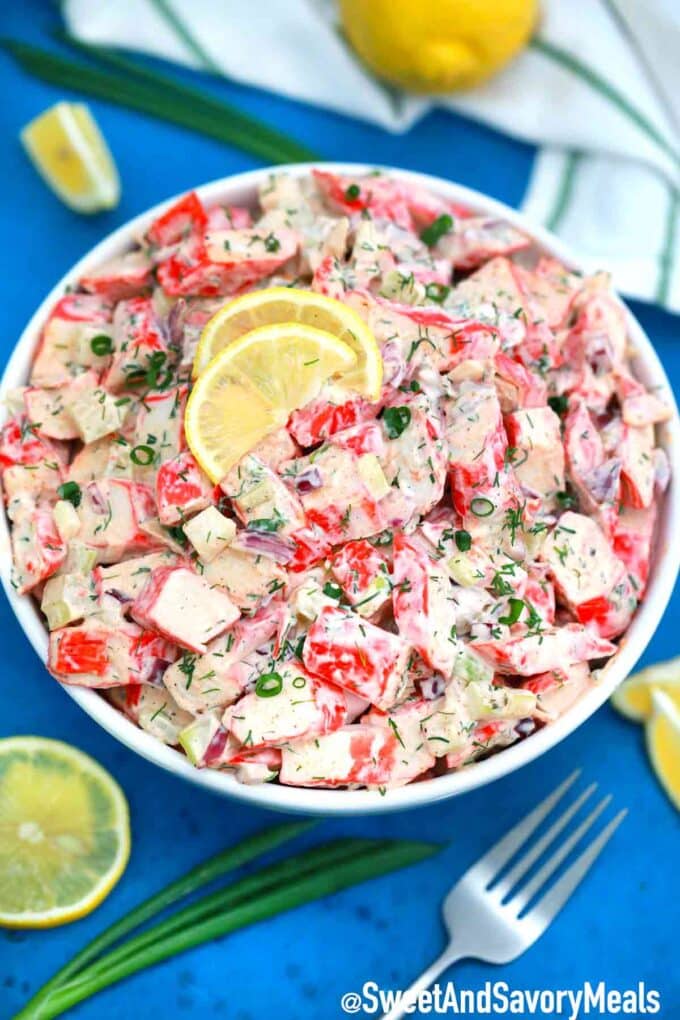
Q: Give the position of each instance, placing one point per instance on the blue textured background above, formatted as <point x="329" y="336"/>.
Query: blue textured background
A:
<point x="622" y="926"/>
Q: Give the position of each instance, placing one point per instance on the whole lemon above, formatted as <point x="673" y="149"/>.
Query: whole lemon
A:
<point x="437" y="45"/>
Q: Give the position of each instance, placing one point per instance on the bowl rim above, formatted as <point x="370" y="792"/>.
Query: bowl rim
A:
<point x="242" y="187"/>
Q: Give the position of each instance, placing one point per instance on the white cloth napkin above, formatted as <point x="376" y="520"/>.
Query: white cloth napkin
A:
<point x="598" y="91"/>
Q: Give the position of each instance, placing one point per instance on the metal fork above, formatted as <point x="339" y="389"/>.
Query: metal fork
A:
<point x="484" y="921"/>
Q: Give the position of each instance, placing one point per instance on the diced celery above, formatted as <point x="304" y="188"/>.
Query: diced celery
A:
<point x="66" y="519"/>
<point x="373" y="476"/>
<point x="196" y="737"/>
<point x="471" y="667"/>
<point x="463" y="571"/>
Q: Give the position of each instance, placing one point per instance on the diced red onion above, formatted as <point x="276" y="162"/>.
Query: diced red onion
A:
<point x="174" y="325"/>
<point x="98" y="502"/>
<point x="432" y="687"/>
<point x="118" y="595"/>
<point x="153" y="671"/>
<point x="308" y="480"/>
<point x="215" y="748"/>
<point x="603" y="481"/>
<point x="265" y="544"/>
<point x="662" y="470"/>
<point x="394" y="365"/>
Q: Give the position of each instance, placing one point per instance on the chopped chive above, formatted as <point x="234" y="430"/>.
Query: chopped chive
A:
<point x="101" y="344"/>
<point x="482" y="507"/>
<point x="142" y="455"/>
<point x="396" y="419"/>
<point x="515" y="611"/>
<point x="70" y="491"/>
<point x="463" y="539"/>
<point x="437" y="229"/>
<point x="269" y="685"/>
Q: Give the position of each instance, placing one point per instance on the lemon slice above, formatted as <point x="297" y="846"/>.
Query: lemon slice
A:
<point x="64" y="833"/>
<point x="634" y="697"/>
<point x="287" y="304"/>
<point x="249" y="389"/>
<point x="662" y="733"/>
<point x="68" y="150"/>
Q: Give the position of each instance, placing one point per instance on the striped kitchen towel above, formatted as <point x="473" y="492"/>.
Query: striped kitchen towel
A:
<point x="598" y="91"/>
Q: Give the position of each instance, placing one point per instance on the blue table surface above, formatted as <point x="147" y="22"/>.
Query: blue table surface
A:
<point x="620" y="927"/>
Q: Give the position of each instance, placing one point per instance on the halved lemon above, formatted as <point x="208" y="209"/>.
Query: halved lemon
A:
<point x="634" y="697"/>
<point x="288" y="305"/>
<point x="69" y="151"/>
<point x="662" y="733"/>
<point x="249" y="389"/>
<point x="64" y="833"/>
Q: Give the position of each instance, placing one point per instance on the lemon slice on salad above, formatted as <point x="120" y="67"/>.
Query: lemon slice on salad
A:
<point x="250" y="388"/>
<point x="68" y="150"/>
<point x="64" y="833"/>
<point x="277" y="305"/>
<point x="662" y="733"/>
<point x="634" y="697"/>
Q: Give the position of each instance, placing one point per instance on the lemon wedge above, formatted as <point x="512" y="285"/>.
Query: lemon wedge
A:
<point x="437" y="47"/>
<point x="64" y="833"/>
<point x="634" y="697"/>
<point x="289" y="305"/>
<point x="249" y="389"/>
<point x="69" y="151"/>
<point x="662" y="733"/>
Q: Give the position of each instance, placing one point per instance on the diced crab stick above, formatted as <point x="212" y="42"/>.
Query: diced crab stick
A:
<point x="345" y="650"/>
<point x="287" y="704"/>
<point x="37" y="547"/>
<point x="50" y="408"/>
<point x="123" y="277"/>
<point x="362" y="573"/>
<point x="632" y="542"/>
<point x="153" y="710"/>
<point x="24" y="483"/>
<point x="601" y="323"/>
<point x="66" y="341"/>
<point x="341" y="507"/>
<point x="261" y="499"/>
<point x="227" y="261"/>
<point x="494" y="289"/>
<point x="483" y="738"/>
<point x="322" y="418"/>
<point x="248" y="578"/>
<point x="415" y="461"/>
<point x="355" y="755"/>
<point x="182" y="489"/>
<point x="537" y="452"/>
<point x="415" y="756"/>
<point x="138" y="345"/>
<point x="203" y="683"/>
<point x="181" y="605"/>
<point x="549" y="290"/>
<point x="517" y="387"/>
<point x="90" y="655"/>
<point x="111" y="512"/>
<point x="475" y="239"/>
<point x="584" y="451"/>
<point x="557" y="690"/>
<point x="581" y="561"/>
<point x="22" y="442"/>
<point x="637" y="465"/>
<point x="125" y="580"/>
<point x="550" y="649"/>
<point x="423" y="607"/>
<point x="384" y="198"/>
<point x="186" y="217"/>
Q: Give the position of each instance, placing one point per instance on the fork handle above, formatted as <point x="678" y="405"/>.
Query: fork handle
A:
<point x="428" y="977"/>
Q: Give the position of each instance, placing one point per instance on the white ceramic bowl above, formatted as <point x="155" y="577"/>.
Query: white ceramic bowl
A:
<point x="241" y="190"/>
